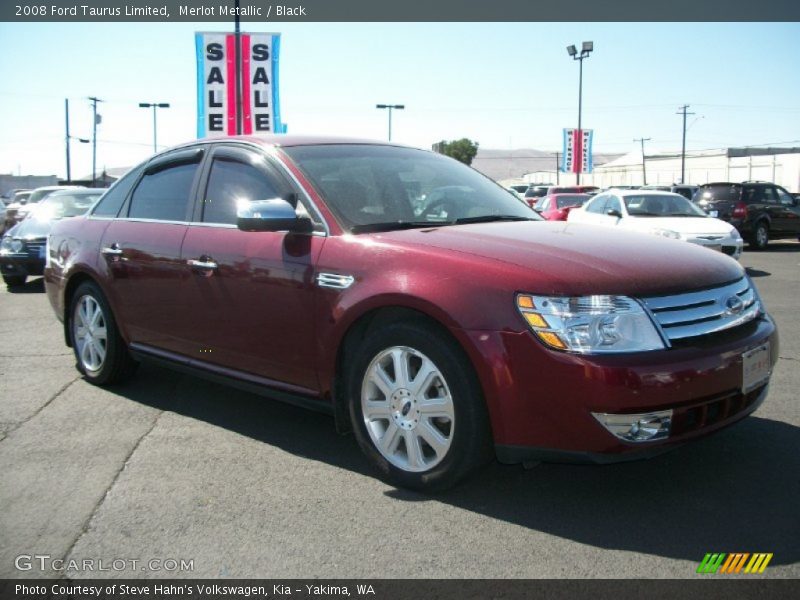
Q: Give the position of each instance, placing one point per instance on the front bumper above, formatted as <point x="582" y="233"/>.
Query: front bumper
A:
<point x="541" y="401"/>
<point x="21" y="265"/>
<point x="727" y="245"/>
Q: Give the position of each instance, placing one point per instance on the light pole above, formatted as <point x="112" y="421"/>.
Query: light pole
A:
<point x="644" y="171"/>
<point x="586" y="50"/>
<point x="390" y="107"/>
<point x="154" y="105"/>
<point x="69" y="137"/>
<point x="95" y="120"/>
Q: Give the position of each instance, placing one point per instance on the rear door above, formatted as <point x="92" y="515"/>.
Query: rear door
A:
<point x="787" y="214"/>
<point x="252" y="292"/>
<point x="142" y="250"/>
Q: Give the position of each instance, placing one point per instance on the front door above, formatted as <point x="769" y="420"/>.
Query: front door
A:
<point x="254" y="291"/>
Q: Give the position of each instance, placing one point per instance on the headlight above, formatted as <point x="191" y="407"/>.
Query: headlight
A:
<point x="590" y="324"/>
<point x="5" y="245"/>
<point x="667" y="233"/>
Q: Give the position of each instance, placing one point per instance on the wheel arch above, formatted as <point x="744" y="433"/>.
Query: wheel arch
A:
<point x="357" y="330"/>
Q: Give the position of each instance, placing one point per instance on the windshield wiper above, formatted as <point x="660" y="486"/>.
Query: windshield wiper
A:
<point x="395" y="225"/>
<point x="491" y="218"/>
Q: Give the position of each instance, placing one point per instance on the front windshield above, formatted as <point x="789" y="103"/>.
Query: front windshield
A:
<point x="373" y="186"/>
<point x="60" y="206"/>
<point x="661" y="205"/>
<point x="566" y="200"/>
<point x="38" y="195"/>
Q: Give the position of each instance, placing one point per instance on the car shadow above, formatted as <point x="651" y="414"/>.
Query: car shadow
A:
<point x="32" y="286"/>
<point x="781" y="246"/>
<point x="737" y="491"/>
<point x="757" y="272"/>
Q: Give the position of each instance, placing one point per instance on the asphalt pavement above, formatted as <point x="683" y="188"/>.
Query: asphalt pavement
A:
<point x="171" y="469"/>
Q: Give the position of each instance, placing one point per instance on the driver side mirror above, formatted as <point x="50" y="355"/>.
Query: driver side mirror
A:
<point x="271" y="215"/>
<point x="613" y="212"/>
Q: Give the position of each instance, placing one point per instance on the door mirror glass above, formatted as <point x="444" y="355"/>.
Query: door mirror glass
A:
<point x="271" y="215"/>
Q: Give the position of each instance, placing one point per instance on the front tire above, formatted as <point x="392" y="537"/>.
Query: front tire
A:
<point x="102" y="355"/>
<point x="416" y="407"/>
<point x="760" y="238"/>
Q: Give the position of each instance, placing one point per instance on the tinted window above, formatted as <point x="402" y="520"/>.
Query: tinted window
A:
<point x="164" y="194"/>
<point x="114" y="198"/>
<point x="726" y="192"/>
<point x="784" y="197"/>
<point x="229" y="182"/>
<point x="770" y="196"/>
<point x="571" y="200"/>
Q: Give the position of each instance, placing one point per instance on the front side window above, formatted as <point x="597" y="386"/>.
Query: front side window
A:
<point x="163" y="194"/>
<point x="596" y="205"/>
<point x="613" y="204"/>
<point x="370" y="187"/>
<point x="231" y="182"/>
<point x="784" y="197"/>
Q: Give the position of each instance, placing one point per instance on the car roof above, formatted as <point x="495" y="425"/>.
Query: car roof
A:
<point x="286" y="141"/>
<point x="619" y="192"/>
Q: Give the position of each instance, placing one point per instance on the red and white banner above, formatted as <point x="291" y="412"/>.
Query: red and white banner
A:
<point x="577" y="151"/>
<point x="258" y="109"/>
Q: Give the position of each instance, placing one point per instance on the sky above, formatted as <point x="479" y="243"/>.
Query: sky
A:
<point x="504" y="85"/>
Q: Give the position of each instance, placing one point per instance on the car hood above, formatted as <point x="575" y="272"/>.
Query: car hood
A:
<point x="687" y="225"/>
<point x="566" y="258"/>
<point x="32" y="228"/>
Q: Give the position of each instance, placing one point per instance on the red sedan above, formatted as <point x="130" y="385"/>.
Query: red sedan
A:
<point x="429" y="311"/>
<point x="556" y="207"/>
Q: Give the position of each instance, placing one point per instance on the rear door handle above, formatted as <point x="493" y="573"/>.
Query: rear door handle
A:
<point x="202" y="264"/>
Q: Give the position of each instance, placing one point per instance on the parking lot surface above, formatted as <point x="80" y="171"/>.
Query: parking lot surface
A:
<point x="172" y="468"/>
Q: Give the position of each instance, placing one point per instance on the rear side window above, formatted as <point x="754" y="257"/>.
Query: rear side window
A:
<point x="164" y="194"/>
<point x="114" y="198"/>
<point x="229" y="182"/>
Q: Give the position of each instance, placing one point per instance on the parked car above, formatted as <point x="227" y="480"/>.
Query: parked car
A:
<point x="556" y="207"/>
<point x="518" y="190"/>
<point x="685" y="190"/>
<point x="22" y="250"/>
<point x="571" y="189"/>
<point x="298" y="268"/>
<point x="758" y="209"/>
<point x="18" y="210"/>
<point x="534" y="192"/>
<point x="661" y="213"/>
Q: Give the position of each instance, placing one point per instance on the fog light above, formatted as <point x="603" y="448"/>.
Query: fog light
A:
<point x="641" y="427"/>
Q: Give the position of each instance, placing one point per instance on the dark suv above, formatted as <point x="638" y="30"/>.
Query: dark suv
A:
<point x="758" y="209"/>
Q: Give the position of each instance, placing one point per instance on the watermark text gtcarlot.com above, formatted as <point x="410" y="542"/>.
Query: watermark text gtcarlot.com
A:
<point x="45" y="562"/>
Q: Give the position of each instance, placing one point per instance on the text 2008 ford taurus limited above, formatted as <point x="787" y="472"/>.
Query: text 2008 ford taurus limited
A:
<point x="435" y="315"/>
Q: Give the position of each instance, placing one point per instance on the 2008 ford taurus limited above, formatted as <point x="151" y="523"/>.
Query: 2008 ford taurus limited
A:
<point x="435" y="315"/>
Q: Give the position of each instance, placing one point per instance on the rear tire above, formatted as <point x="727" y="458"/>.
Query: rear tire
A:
<point x="416" y="407"/>
<point x="13" y="281"/>
<point x="100" y="351"/>
<point x="760" y="238"/>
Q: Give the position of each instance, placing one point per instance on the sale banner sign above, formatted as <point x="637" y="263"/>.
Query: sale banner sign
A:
<point x="237" y="96"/>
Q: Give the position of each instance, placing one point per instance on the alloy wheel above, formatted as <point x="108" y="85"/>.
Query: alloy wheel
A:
<point x="90" y="333"/>
<point x="407" y="409"/>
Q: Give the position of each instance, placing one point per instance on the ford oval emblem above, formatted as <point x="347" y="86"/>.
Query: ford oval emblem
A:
<point x="734" y="304"/>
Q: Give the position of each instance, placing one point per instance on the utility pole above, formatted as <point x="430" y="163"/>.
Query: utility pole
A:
<point x="66" y="139"/>
<point x="644" y="169"/>
<point x="682" y="111"/>
<point x="95" y="119"/>
<point x="558" y="168"/>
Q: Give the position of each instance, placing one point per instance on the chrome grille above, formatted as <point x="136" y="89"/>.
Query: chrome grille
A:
<point x="699" y="313"/>
<point x="32" y="246"/>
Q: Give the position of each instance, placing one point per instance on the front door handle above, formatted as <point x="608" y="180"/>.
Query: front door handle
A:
<point x="207" y="263"/>
<point x="112" y="250"/>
